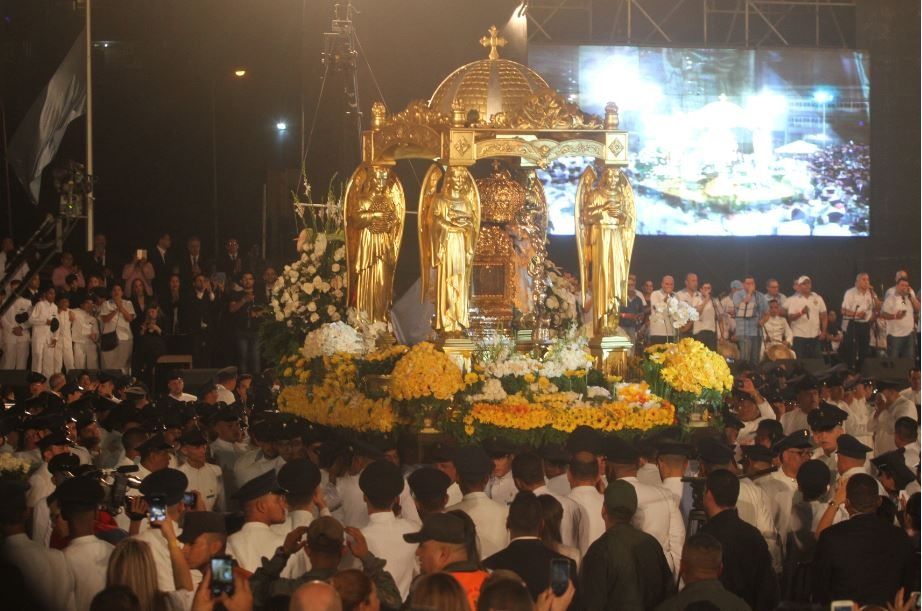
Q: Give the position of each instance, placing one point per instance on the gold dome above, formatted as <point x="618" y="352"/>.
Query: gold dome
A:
<point x="488" y="86"/>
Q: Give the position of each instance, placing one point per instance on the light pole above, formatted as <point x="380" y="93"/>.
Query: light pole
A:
<point x="238" y="73"/>
<point x="823" y="97"/>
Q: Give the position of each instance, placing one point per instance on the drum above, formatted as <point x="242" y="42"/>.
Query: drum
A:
<point x="779" y="352"/>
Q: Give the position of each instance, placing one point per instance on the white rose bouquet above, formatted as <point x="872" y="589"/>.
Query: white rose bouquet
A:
<point x="560" y="302"/>
<point x="677" y="313"/>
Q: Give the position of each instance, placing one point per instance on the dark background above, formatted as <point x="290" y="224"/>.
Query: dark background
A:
<point x="153" y="92"/>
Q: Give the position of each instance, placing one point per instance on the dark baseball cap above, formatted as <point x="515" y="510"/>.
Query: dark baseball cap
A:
<point x="300" y="476"/>
<point x="429" y="483"/>
<point x="846" y="445"/>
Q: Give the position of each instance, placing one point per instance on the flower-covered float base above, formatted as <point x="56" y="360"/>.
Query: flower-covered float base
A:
<point x="525" y="399"/>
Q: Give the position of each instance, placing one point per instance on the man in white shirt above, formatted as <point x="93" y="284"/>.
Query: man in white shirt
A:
<point x="584" y="479"/>
<point x="381" y="482"/>
<point x="85" y="332"/>
<point x="228" y="447"/>
<point x="474" y="467"/>
<point x="352" y="511"/>
<point x="225" y="383"/>
<point x="501" y="487"/>
<point x="807" y="314"/>
<point x="792" y="452"/>
<point x="772" y="292"/>
<point x="301" y="479"/>
<point x="906" y="439"/>
<point x="661" y="329"/>
<point x="16" y="334"/>
<point x="777" y="329"/>
<point x="45" y="327"/>
<point x="429" y="487"/>
<point x="858" y="307"/>
<point x="205" y="479"/>
<point x="808" y="399"/>
<point x="176" y="387"/>
<point x="900" y="310"/>
<point x="657" y="508"/>
<point x="889" y="408"/>
<point x="263" y="503"/>
<point x="852" y="458"/>
<point x="529" y="477"/>
<point x="87" y="555"/>
<point x="690" y="294"/>
<point x="826" y="425"/>
<point x="41" y="483"/>
<point x="265" y="456"/>
<point x="752" y="408"/>
<point x="45" y="571"/>
<point x="167" y="485"/>
<point x="556" y="462"/>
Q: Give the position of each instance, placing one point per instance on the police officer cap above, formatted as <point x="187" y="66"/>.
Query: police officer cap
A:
<point x="808" y="383"/>
<point x="584" y="439"/>
<point x="79" y="493"/>
<point x="770" y="427"/>
<point x="58" y="438"/>
<point x="226" y="415"/>
<point x="554" y="453"/>
<point x="193" y="438"/>
<point x="168" y="483"/>
<point x="813" y="478"/>
<point x="135" y="392"/>
<point x="429" y="483"/>
<point x="84" y="418"/>
<point x="714" y="452"/>
<point x="498" y="447"/>
<point x="228" y="373"/>
<point x="620" y="451"/>
<point x="851" y="447"/>
<point x="890" y="384"/>
<point x="893" y="464"/>
<point x="261" y="485"/>
<point x="55" y="324"/>
<point x="367" y="450"/>
<point x="155" y="443"/>
<point x="441" y="527"/>
<point x="673" y="448"/>
<point x="758" y="453"/>
<point x="300" y="476"/>
<point x="472" y="462"/>
<point x="70" y="388"/>
<point x="197" y="523"/>
<point x="826" y="417"/>
<point x="104" y="377"/>
<point x="796" y="440"/>
<point x="63" y="462"/>
<point x="35" y="377"/>
<point x="381" y="480"/>
<point x="174" y="374"/>
<point x="732" y="422"/>
<point x="440" y="452"/>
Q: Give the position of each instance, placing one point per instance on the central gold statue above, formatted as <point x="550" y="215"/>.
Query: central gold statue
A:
<point x="605" y="227"/>
<point x="375" y="209"/>
<point x="449" y="223"/>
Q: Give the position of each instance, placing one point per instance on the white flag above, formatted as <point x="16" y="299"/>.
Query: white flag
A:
<point x="38" y="136"/>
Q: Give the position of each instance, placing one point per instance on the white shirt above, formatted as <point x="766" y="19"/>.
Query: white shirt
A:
<point x="88" y="558"/>
<point x="353" y="511"/>
<point x="780" y="298"/>
<point x="794" y="420"/>
<point x="559" y="484"/>
<point x="807" y="325"/>
<point x="299" y="563"/>
<point x="777" y="330"/>
<point x="84" y="325"/>
<point x="117" y="323"/>
<point x="44" y="570"/>
<point x="41" y="485"/>
<point x="648" y="473"/>
<point x="856" y="300"/>
<point x="692" y="299"/>
<point x="161" y="552"/>
<point x="658" y="324"/>
<point x="747" y="434"/>
<point x="454" y="494"/>
<point x="911" y="455"/>
<point x="42" y="313"/>
<point x="254" y="463"/>
<point x="20" y="305"/>
<point x="707" y="318"/>
<point x="209" y="483"/>
<point x="490" y="519"/>
<point x="225" y="395"/>
<point x="658" y="515"/>
<point x="252" y="543"/>
<point x="569" y="523"/>
<point x="856" y="424"/>
<point x="384" y="535"/>
<point x="912" y="395"/>
<point x="755" y="508"/>
<point x="882" y="425"/>
<point x="899" y="327"/>
<point x="591" y="525"/>
<point x="780" y="489"/>
<point x="502" y="489"/>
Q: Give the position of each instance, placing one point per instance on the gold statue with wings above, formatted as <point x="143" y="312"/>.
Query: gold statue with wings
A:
<point x="375" y="207"/>
<point x="605" y="227"/>
<point x="449" y="223"/>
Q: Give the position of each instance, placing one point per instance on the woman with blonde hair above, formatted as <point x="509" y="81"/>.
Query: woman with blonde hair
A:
<point x="438" y="592"/>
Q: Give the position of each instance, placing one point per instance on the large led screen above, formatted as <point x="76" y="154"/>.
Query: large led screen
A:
<point x="725" y="142"/>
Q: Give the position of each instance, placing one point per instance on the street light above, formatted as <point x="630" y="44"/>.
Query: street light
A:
<point x="240" y="72"/>
<point x="823" y="97"/>
<point x="281" y="126"/>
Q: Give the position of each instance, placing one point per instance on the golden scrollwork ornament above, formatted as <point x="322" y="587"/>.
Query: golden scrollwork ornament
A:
<point x="605" y="228"/>
<point x="449" y="225"/>
<point x="375" y="208"/>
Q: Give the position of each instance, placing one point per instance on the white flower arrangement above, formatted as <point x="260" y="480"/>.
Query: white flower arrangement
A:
<point x="492" y="392"/>
<point x="560" y="303"/>
<point x="597" y="392"/>
<point x="569" y="353"/>
<point x="676" y="312"/>
<point x="332" y="338"/>
<point x="13" y="468"/>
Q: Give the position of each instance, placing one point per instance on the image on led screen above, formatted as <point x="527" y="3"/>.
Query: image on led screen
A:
<point x="725" y="142"/>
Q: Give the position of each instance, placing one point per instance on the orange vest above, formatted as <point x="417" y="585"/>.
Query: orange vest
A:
<point x="471" y="582"/>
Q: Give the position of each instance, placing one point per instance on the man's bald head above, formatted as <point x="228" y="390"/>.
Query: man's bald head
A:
<point x="316" y="596"/>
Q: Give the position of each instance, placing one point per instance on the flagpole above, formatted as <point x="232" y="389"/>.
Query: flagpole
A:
<point x="90" y="199"/>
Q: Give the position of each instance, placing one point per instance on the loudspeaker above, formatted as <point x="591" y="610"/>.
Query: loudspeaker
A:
<point x="13" y="377"/>
<point x="886" y="368"/>
<point x="196" y="378"/>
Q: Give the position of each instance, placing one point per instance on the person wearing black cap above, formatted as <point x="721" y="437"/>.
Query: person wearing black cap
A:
<point x="88" y="555"/>
<point x="354" y="512"/>
<point x="890" y="407"/>
<point x="381" y="483"/>
<point x="894" y="476"/>
<point x="16" y="334"/>
<point x="474" y="467"/>
<point x="169" y="485"/>
<point x="225" y="383"/>
<point x="584" y="476"/>
<point x="625" y="568"/>
<point x="757" y="461"/>
<point x="205" y="479"/>
<point x="227" y="447"/>
<point x="529" y="477"/>
<point x="781" y="485"/>
<point x="808" y="399"/>
<point x="826" y="424"/>
<point x="852" y="458"/>
<point x="263" y="502"/>
<point x="301" y="478"/>
<point x="40" y="482"/>
<point x="155" y="454"/>
<point x="264" y="434"/>
<point x="176" y="388"/>
<point x="440" y="457"/>
<point x="864" y="558"/>
<point x="45" y="571"/>
<point x="768" y="433"/>
<point x="429" y="487"/>
<point x="556" y="462"/>
<point x="748" y="569"/>
<point x="752" y="409"/>
<point x="657" y="509"/>
<point x="501" y="487"/>
<point x="800" y="543"/>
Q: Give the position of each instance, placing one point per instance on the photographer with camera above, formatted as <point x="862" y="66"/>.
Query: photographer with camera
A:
<point x="163" y="497"/>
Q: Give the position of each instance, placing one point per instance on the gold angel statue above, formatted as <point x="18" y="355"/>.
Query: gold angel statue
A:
<point x="605" y="225"/>
<point x="375" y="207"/>
<point x="449" y="223"/>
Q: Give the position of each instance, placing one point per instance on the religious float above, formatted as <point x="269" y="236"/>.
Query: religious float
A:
<point x="510" y="354"/>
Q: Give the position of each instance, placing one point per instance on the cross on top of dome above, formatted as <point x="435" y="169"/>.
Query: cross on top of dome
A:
<point x="494" y="41"/>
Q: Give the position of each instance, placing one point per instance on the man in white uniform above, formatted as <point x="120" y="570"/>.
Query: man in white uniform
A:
<point x="584" y="478"/>
<point x="16" y="333"/>
<point x="858" y="307"/>
<point x="41" y="483"/>
<point x="660" y="327"/>
<point x="205" y="479"/>
<point x="474" y="467"/>
<point x="808" y="399"/>
<point x="900" y="310"/>
<point x="87" y="555"/>
<point x="265" y="456"/>
<point x="501" y="487"/>
<point x="890" y="406"/>
<point x="263" y="503"/>
<point x="85" y="332"/>
<point x="826" y="425"/>
<point x="807" y="314"/>
<point x="529" y="477"/>
<point x="792" y="451"/>
<point x="169" y="485"/>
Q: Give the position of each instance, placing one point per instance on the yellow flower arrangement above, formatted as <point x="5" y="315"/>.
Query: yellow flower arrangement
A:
<point x="690" y="366"/>
<point x="425" y="372"/>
